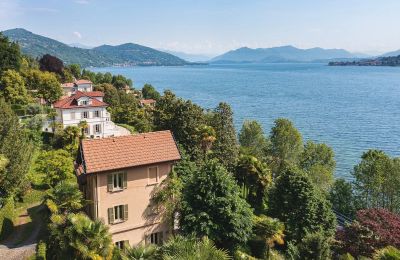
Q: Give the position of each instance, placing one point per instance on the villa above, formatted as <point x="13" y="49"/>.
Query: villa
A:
<point x="119" y="174"/>
<point x="81" y="103"/>
<point x="147" y="102"/>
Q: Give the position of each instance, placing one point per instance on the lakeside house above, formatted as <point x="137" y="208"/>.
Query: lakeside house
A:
<point x="81" y="103"/>
<point x="119" y="174"/>
<point x="147" y="102"/>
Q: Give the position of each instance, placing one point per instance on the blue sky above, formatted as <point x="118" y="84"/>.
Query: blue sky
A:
<point x="212" y="26"/>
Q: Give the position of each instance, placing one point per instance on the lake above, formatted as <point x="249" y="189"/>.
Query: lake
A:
<point x="352" y="109"/>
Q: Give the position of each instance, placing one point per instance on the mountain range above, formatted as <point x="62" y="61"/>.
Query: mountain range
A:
<point x="128" y="54"/>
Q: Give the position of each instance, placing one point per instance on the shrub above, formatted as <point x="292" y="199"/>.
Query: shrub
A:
<point x="41" y="251"/>
<point x="6" y="218"/>
<point x="387" y="253"/>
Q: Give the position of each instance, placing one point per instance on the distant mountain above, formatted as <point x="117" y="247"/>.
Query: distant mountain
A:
<point x="391" y="54"/>
<point x="122" y="55"/>
<point x="282" y="54"/>
<point x="392" y="61"/>
<point x="189" y="57"/>
<point x="80" y="45"/>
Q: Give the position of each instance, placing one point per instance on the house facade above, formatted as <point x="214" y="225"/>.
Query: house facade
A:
<point x="118" y="175"/>
<point x="82" y="85"/>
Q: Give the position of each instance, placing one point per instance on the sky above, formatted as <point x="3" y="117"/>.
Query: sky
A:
<point x="212" y="26"/>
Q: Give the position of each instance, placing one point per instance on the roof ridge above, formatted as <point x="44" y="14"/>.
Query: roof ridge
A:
<point x="126" y="136"/>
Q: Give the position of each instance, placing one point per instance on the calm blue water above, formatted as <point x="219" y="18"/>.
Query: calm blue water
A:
<point x="351" y="109"/>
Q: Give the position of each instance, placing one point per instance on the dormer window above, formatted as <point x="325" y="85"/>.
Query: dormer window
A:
<point x="84" y="102"/>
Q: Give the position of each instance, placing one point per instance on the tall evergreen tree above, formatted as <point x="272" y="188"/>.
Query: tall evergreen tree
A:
<point x="10" y="55"/>
<point x="252" y="139"/>
<point x="225" y="147"/>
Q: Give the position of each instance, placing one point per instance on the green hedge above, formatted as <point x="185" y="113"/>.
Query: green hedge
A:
<point x="7" y="215"/>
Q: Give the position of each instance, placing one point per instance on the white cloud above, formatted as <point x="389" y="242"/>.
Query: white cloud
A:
<point x="82" y="2"/>
<point x="78" y="34"/>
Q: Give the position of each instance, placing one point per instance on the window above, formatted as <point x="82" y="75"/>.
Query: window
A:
<point x="85" y="114"/>
<point x="84" y="102"/>
<point x="97" y="113"/>
<point x="123" y="244"/>
<point x="117" y="181"/>
<point x="118" y="214"/>
<point x="155" y="238"/>
<point x="97" y="129"/>
<point x="153" y="175"/>
<point x="86" y="130"/>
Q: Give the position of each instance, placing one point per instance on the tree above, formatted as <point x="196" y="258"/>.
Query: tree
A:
<point x="317" y="160"/>
<point x="252" y="139"/>
<point x="373" y="229"/>
<point x="17" y="148"/>
<point x="148" y="91"/>
<point x="315" y="246"/>
<point x="141" y="252"/>
<point x="64" y="198"/>
<point x="377" y="181"/>
<point x="10" y="55"/>
<point x="266" y="233"/>
<point x="387" y="253"/>
<point x="212" y="206"/>
<point x="255" y="177"/>
<point x="75" y="70"/>
<point x="207" y="137"/>
<point x="342" y="198"/>
<point x="46" y="85"/>
<point x="51" y="64"/>
<point x="57" y="165"/>
<point x="225" y="147"/>
<point x="295" y="202"/>
<point x="286" y="144"/>
<point x="12" y="88"/>
<point x="189" y="248"/>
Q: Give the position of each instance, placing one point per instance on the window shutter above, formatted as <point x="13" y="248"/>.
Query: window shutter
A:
<point x="125" y="185"/>
<point x="94" y="129"/>
<point x="110" y="182"/>
<point x="126" y="212"/>
<point x="110" y="215"/>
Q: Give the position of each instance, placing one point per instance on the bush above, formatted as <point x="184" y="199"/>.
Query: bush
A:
<point x="387" y="253"/>
<point x="41" y="251"/>
<point x="6" y="218"/>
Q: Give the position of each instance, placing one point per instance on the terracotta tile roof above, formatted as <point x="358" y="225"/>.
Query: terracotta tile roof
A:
<point x="94" y="94"/>
<point x="147" y="101"/>
<point x="71" y="102"/>
<point x="129" y="151"/>
<point x="83" y="81"/>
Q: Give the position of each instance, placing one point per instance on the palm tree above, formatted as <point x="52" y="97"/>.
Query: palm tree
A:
<point x="88" y="239"/>
<point x="65" y="197"/>
<point x="141" y="252"/>
<point x="83" y="125"/>
<point x="181" y="248"/>
<point x="269" y="230"/>
<point x="207" y="137"/>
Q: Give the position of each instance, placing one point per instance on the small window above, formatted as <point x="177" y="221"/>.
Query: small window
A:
<point x="85" y="114"/>
<point x="84" y="102"/>
<point x="156" y="238"/>
<point x="123" y="244"/>
<point x="97" y="129"/>
<point x="117" y="181"/>
<point x="97" y="113"/>
<point x="153" y="175"/>
<point x="118" y="214"/>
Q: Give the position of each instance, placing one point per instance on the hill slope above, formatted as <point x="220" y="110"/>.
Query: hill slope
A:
<point x="282" y="54"/>
<point x="126" y="54"/>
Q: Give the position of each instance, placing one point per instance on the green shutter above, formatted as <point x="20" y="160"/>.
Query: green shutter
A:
<point x="126" y="212"/>
<point x="125" y="185"/>
<point x="110" y="182"/>
<point x="110" y="215"/>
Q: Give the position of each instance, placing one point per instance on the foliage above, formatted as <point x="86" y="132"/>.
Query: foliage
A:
<point x="7" y="215"/>
<point x="51" y="64"/>
<point x="46" y="85"/>
<point x="377" y="181"/>
<point x="57" y="165"/>
<point x="10" y="55"/>
<point x="317" y="160"/>
<point x="16" y="147"/>
<point x="346" y="256"/>
<point x="387" y="253"/>
<point x="342" y="198"/>
<point x="189" y="248"/>
<point x="12" y="88"/>
<point x="296" y="202"/>
<point x="65" y="197"/>
<point x="256" y="177"/>
<point x="181" y="117"/>
<point x="212" y="207"/>
<point x="266" y="233"/>
<point x="41" y="251"/>
<point x="374" y="229"/>
<point x="207" y="136"/>
<point x="286" y="144"/>
<point x="141" y="252"/>
<point x="252" y="139"/>
<point x="315" y="246"/>
<point x="75" y="70"/>
<point x="225" y="147"/>
<point x="148" y="91"/>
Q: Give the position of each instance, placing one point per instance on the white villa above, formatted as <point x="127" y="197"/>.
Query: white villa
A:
<point x="81" y="103"/>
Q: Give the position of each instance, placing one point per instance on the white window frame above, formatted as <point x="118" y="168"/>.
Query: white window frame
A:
<point x="149" y="182"/>
<point x="118" y="181"/>
<point x="156" y="238"/>
<point x="118" y="213"/>
<point x="96" y="113"/>
<point x="84" y="102"/>
<point x="97" y="129"/>
<point x="85" y="113"/>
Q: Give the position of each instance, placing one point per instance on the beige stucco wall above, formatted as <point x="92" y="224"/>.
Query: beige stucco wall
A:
<point x="137" y="195"/>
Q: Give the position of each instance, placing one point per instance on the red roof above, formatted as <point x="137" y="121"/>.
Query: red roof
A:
<point x="129" y="151"/>
<point x="83" y="81"/>
<point x="72" y="101"/>
<point x="147" y="101"/>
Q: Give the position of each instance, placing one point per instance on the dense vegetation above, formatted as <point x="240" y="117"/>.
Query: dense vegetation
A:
<point x="381" y="61"/>
<point x="247" y="196"/>
<point x="126" y="54"/>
